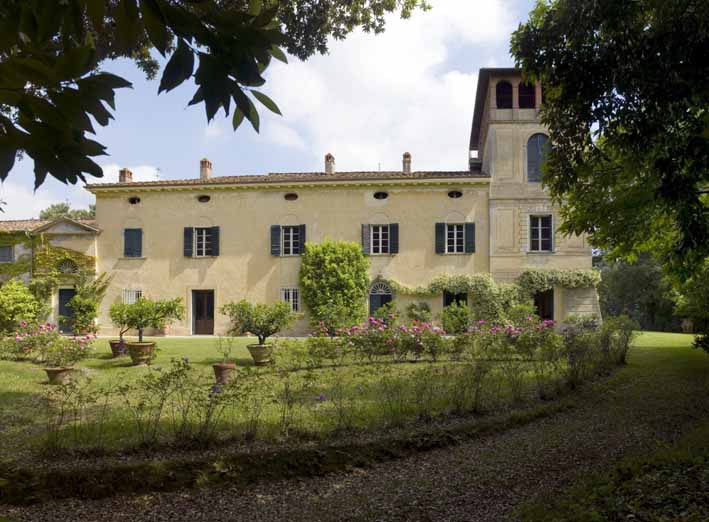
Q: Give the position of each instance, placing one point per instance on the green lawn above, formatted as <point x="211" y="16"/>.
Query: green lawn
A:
<point x="307" y="403"/>
<point x="671" y="481"/>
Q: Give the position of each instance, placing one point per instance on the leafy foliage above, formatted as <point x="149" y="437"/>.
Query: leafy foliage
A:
<point x="694" y="304"/>
<point x="59" y="210"/>
<point x="261" y="320"/>
<point x="52" y="87"/>
<point x="334" y="280"/>
<point x="456" y="317"/>
<point x="626" y="103"/>
<point x="119" y="313"/>
<point x="640" y="290"/>
<point x="146" y="313"/>
<point x="16" y="304"/>
<point x="85" y="303"/>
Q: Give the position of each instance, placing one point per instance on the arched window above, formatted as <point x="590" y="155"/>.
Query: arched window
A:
<point x="503" y="92"/>
<point x="379" y="295"/>
<point x="67" y="266"/>
<point x="527" y="96"/>
<point x="537" y="151"/>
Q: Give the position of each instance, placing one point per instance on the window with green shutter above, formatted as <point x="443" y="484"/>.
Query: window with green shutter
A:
<point x="132" y="242"/>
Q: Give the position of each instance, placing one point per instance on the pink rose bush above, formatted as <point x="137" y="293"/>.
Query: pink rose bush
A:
<point x="381" y="338"/>
<point x="42" y="342"/>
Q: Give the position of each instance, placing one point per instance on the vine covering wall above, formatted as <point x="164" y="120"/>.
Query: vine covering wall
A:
<point x="490" y="300"/>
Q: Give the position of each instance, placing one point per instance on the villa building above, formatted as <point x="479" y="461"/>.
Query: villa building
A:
<point x="216" y="239"/>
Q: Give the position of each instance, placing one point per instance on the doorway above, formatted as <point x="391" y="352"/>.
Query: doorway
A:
<point x="379" y="295"/>
<point x="544" y="303"/>
<point x="66" y="314"/>
<point x="203" y="312"/>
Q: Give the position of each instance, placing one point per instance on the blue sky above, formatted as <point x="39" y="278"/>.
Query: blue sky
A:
<point x="367" y="102"/>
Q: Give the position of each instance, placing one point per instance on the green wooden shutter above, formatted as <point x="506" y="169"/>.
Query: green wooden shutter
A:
<point x="301" y="233"/>
<point x="189" y="241"/>
<point x="215" y="242"/>
<point x="440" y="238"/>
<point x="394" y="238"/>
<point x="132" y="239"/>
<point x="469" y="238"/>
<point x="276" y="240"/>
<point x="366" y="240"/>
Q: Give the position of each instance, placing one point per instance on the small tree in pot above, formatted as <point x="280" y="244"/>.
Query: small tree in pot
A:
<point x="261" y="320"/>
<point x="223" y="371"/>
<point x="119" y="317"/>
<point x="146" y="313"/>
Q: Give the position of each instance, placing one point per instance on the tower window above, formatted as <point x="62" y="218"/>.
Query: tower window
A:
<point x="527" y="96"/>
<point x="503" y="92"/>
<point x="537" y="152"/>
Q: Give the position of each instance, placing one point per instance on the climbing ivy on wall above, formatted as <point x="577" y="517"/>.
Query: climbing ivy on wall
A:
<point x="46" y="266"/>
<point x="490" y="300"/>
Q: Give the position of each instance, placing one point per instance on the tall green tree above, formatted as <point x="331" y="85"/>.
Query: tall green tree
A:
<point x="53" y="89"/>
<point x="59" y="210"/>
<point x="626" y="100"/>
<point x="640" y="290"/>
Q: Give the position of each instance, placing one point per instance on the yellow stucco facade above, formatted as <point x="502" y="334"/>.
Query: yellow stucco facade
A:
<point x="494" y="193"/>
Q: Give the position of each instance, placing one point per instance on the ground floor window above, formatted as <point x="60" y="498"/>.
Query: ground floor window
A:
<point x="544" y="304"/>
<point x="379" y="295"/>
<point x="450" y="297"/>
<point x="130" y="295"/>
<point x="292" y="297"/>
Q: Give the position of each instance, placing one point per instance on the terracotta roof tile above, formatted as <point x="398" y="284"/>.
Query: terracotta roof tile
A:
<point x="28" y="225"/>
<point x="296" y="177"/>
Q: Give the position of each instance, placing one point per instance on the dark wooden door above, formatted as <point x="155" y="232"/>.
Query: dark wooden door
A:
<point x="203" y="311"/>
<point x="376" y="301"/>
<point x="544" y="303"/>
<point x="66" y="314"/>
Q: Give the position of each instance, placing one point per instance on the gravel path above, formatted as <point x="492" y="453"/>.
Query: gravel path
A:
<point x="480" y="480"/>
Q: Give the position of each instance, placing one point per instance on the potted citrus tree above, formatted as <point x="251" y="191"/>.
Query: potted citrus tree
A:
<point x="119" y="317"/>
<point x="146" y="313"/>
<point x="261" y="320"/>
<point x="223" y="371"/>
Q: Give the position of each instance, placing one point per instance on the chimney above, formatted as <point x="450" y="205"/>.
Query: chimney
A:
<point x="205" y="169"/>
<point x="125" y="176"/>
<point x="329" y="163"/>
<point x="407" y="163"/>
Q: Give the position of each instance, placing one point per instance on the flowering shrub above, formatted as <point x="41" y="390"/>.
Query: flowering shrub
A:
<point x="422" y="338"/>
<point x="43" y="343"/>
<point x="30" y="339"/>
<point x="67" y="351"/>
<point x="375" y="338"/>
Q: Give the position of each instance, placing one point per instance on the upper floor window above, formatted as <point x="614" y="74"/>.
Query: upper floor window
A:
<point x="292" y="297"/>
<point x="540" y="233"/>
<point x="291" y="241"/>
<point x="132" y="242"/>
<point x="503" y="92"/>
<point x="380" y="239"/>
<point x="455" y="238"/>
<point x="537" y="152"/>
<point x="201" y="241"/>
<point x="6" y="254"/>
<point x="527" y="96"/>
<point x="455" y="234"/>
<point x="287" y="240"/>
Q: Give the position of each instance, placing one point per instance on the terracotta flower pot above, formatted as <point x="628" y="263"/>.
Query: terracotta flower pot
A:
<point x="261" y="353"/>
<point x="141" y="353"/>
<point x="118" y="347"/>
<point x="59" y="375"/>
<point x="224" y="372"/>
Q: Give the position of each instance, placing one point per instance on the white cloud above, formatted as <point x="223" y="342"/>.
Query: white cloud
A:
<point x="21" y="202"/>
<point x="140" y="173"/>
<point x="374" y="97"/>
<point x="213" y="130"/>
